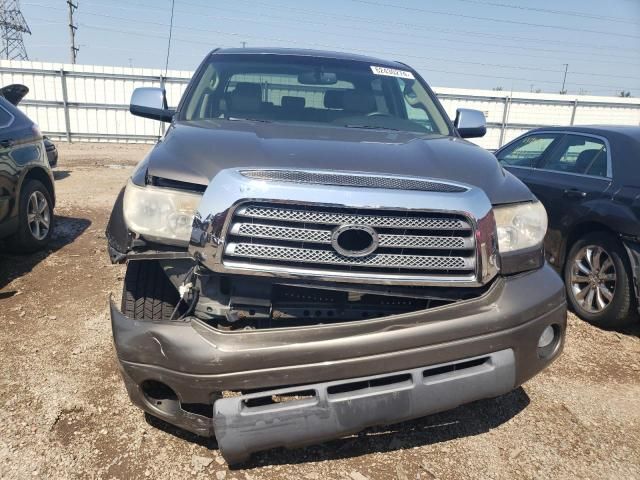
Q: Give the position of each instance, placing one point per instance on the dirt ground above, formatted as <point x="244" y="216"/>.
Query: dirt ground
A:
<point x="65" y="413"/>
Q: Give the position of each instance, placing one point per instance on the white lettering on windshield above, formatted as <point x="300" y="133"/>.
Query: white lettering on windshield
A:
<point x="391" y="72"/>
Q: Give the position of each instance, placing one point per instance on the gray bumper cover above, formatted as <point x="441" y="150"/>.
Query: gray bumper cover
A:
<point x="334" y="409"/>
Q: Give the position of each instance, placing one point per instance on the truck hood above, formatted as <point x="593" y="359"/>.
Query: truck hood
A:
<point x="195" y="152"/>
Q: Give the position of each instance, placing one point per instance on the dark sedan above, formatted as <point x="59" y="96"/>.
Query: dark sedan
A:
<point x="26" y="183"/>
<point x="588" y="178"/>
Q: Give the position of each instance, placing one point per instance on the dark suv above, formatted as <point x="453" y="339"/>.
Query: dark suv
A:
<point x="27" y="194"/>
<point x="313" y="248"/>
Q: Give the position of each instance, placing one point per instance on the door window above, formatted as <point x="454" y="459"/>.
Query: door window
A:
<point x="579" y="154"/>
<point x="527" y="151"/>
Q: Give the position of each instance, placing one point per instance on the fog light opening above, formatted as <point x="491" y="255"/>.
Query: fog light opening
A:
<point x="160" y="396"/>
<point x="548" y="341"/>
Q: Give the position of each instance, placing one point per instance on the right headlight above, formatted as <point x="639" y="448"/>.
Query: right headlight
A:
<point x="163" y="215"/>
<point x="520" y="226"/>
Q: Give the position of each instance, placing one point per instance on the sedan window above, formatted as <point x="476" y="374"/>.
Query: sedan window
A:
<point x="527" y="151"/>
<point x="579" y="154"/>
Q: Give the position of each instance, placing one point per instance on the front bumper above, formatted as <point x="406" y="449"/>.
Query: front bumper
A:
<point x="246" y="424"/>
<point x="197" y="362"/>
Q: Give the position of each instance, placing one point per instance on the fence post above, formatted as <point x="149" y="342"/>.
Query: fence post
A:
<point x="573" y="111"/>
<point x="505" y="116"/>
<point x="65" y="105"/>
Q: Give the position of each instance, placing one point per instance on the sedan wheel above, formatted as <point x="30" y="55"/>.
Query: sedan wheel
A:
<point x="593" y="278"/>
<point x="38" y="215"/>
<point x="599" y="281"/>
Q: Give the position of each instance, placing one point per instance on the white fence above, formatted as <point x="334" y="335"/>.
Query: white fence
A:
<point x="90" y="103"/>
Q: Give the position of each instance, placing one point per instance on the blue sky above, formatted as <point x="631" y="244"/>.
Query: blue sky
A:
<point x="513" y="44"/>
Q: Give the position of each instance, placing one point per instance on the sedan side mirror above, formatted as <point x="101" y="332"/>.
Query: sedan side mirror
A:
<point x="470" y="123"/>
<point x="150" y="102"/>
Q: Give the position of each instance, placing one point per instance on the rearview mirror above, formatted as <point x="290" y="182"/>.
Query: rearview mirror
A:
<point x="317" y="77"/>
<point x="470" y="123"/>
<point x="150" y="102"/>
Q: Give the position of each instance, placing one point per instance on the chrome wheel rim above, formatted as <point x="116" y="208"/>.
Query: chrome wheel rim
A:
<point x="593" y="279"/>
<point x="38" y="215"/>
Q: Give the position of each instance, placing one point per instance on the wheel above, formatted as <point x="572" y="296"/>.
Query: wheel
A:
<point x="598" y="279"/>
<point x="35" y="218"/>
<point x="147" y="293"/>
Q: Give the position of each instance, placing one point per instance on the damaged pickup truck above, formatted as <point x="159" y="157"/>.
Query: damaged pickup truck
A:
<point x="313" y="248"/>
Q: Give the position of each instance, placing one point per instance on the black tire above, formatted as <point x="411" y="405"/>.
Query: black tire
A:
<point x="24" y="240"/>
<point x="147" y="293"/>
<point x="621" y="310"/>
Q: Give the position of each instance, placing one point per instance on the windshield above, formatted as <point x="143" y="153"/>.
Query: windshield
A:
<point x="288" y="88"/>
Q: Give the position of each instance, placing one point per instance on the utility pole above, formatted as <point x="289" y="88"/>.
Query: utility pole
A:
<point x="244" y="44"/>
<point x="72" y="30"/>
<point x="564" y="80"/>
<point x="12" y="26"/>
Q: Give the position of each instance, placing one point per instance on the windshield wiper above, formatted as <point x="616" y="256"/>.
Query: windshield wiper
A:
<point x="372" y="127"/>
<point x="236" y="119"/>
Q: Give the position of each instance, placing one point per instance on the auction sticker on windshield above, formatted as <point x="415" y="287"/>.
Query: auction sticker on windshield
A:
<point x="391" y="72"/>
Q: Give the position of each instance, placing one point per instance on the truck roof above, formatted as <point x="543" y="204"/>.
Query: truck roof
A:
<point x="309" y="53"/>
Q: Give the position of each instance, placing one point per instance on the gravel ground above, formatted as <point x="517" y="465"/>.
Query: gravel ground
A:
<point x="66" y="414"/>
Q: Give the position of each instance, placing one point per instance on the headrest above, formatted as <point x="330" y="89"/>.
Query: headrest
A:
<point x="584" y="160"/>
<point x="359" y="102"/>
<point x="592" y="161"/>
<point x="246" y="97"/>
<point x="334" y="99"/>
<point x="293" y="103"/>
<point x="248" y="89"/>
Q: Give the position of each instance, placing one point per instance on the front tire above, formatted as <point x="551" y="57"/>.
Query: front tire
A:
<point x="147" y="292"/>
<point x="598" y="280"/>
<point x="35" y="218"/>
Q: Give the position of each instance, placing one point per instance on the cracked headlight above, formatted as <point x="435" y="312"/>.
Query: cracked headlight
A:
<point x="520" y="226"/>
<point x="160" y="214"/>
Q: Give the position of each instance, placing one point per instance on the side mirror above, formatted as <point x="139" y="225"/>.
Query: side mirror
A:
<point x="470" y="123"/>
<point x="150" y="102"/>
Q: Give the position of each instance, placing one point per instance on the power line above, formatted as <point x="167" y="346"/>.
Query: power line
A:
<point x="548" y="10"/>
<point x="12" y="26"/>
<point x="491" y="19"/>
<point x="166" y="66"/>
<point x="457" y="32"/>
<point x="386" y="22"/>
<point x="449" y="60"/>
<point x="337" y="48"/>
<point x="430" y="38"/>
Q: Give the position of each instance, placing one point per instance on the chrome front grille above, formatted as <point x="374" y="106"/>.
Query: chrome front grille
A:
<point x="279" y="236"/>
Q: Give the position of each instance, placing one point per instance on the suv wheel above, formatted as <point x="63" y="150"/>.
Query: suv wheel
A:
<point x="35" y="218"/>
<point x="597" y="276"/>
